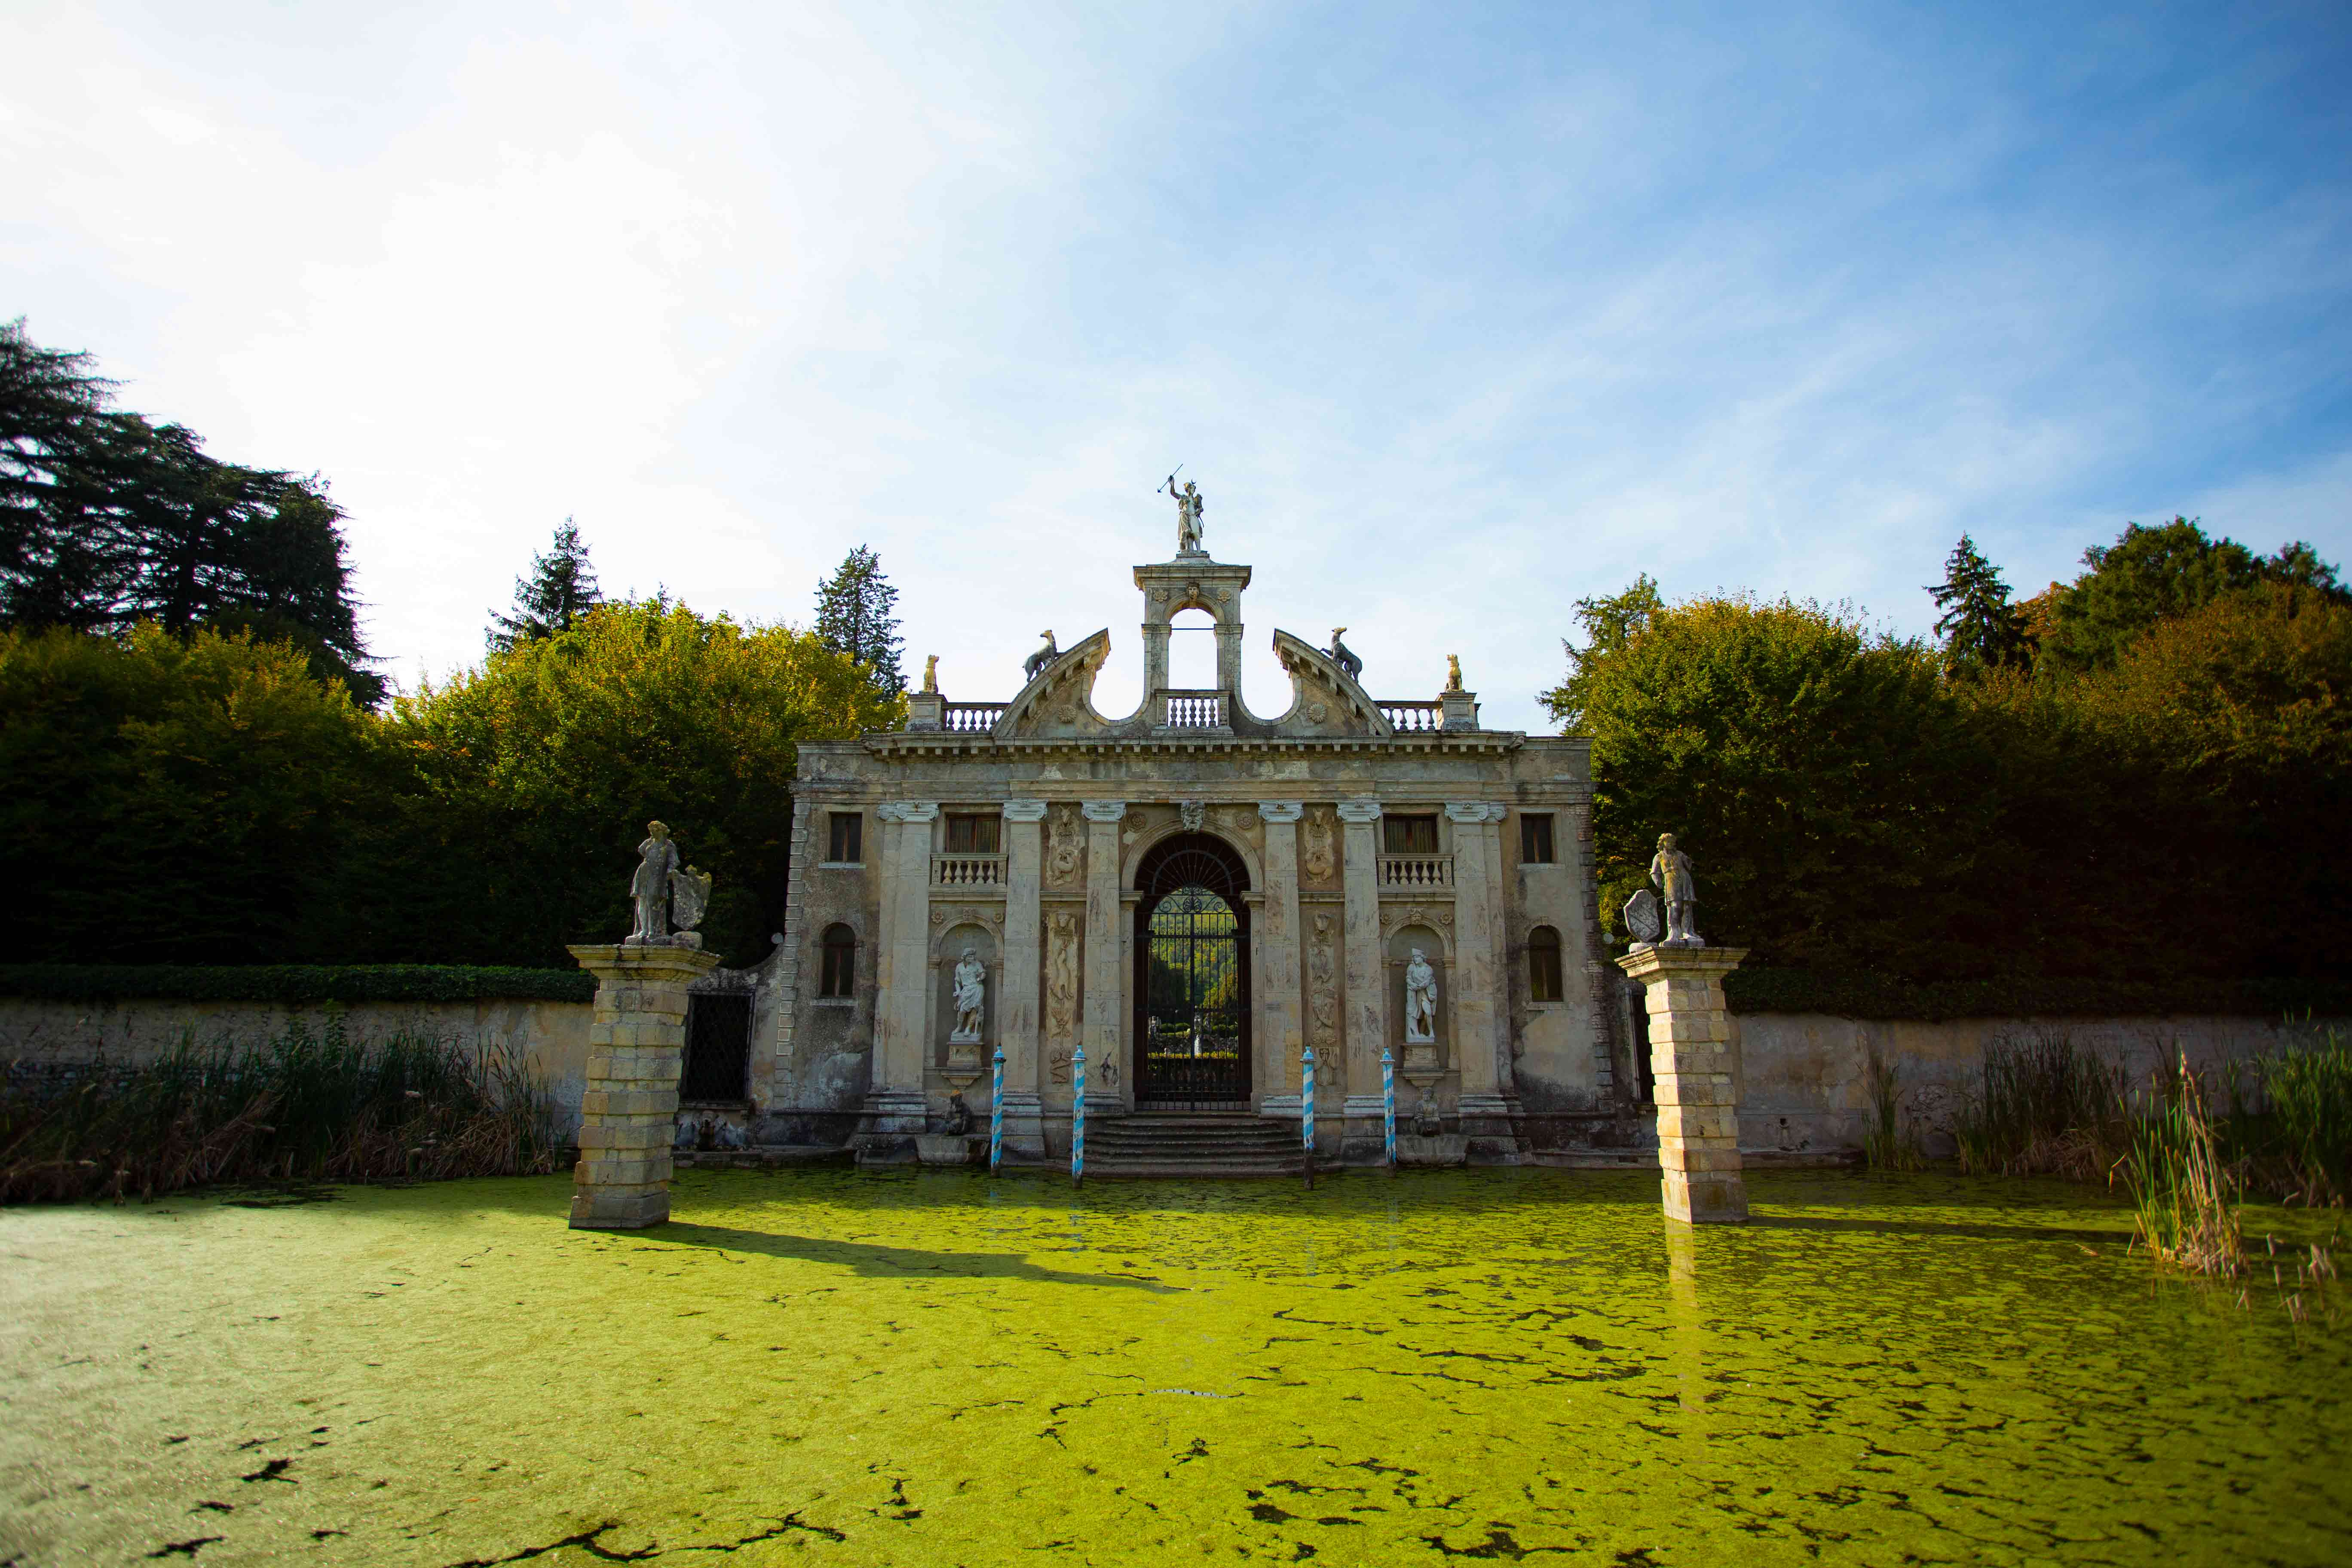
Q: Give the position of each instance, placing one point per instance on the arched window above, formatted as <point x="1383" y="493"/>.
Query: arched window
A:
<point x="839" y="976"/>
<point x="1543" y="965"/>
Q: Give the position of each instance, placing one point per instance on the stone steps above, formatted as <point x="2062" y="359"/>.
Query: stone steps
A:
<point x="1190" y="1145"/>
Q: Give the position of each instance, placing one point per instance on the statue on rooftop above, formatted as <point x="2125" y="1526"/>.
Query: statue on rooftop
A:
<point x="1343" y="658"/>
<point x="1452" y="672"/>
<point x="971" y="997"/>
<point x="1188" y="515"/>
<point x="1670" y="873"/>
<point x="1042" y="657"/>
<point x="931" y="674"/>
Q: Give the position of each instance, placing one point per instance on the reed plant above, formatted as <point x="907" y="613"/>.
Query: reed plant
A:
<point x="2307" y="1090"/>
<point x="2043" y="1106"/>
<point x="2180" y="1185"/>
<point x="306" y="1105"/>
<point x="1891" y="1141"/>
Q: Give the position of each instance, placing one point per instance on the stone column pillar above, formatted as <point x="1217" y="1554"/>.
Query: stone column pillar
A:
<point x="1103" y="1029"/>
<point x="1477" y="980"/>
<point x="895" y="1099"/>
<point x="1498" y="885"/>
<point x="1697" y="1063"/>
<point x="1275" y="979"/>
<point x="1229" y="661"/>
<point x="1155" y="669"/>
<point x="1017" y="1012"/>
<point x="628" y="1117"/>
<point x="1364" y="1020"/>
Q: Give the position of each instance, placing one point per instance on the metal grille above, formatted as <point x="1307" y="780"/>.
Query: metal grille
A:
<point x="1193" y="994"/>
<point x="718" y="1045"/>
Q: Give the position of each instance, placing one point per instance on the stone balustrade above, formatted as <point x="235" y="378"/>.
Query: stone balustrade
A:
<point x="968" y="870"/>
<point x="973" y="717"/>
<point x="1404" y="716"/>
<point x="1196" y="710"/>
<point x="1416" y="870"/>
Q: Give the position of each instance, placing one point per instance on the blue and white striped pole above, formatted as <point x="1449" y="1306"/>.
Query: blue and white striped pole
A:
<point x="996" y="1113"/>
<point x="1388" y="1103"/>
<point x="1079" y="1117"/>
<point x="1307" y="1107"/>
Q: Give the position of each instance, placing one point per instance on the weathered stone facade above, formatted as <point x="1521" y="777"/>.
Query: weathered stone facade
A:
<point x="1344" y="834"/>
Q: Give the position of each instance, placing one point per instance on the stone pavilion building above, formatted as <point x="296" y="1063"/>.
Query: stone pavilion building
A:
<point x="1194" y="895"/>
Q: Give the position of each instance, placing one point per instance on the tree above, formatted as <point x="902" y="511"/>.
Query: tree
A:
<point x="857" y="614"/>
<point x="1610" y="621"/>
<point x="182" y="799"/>
<point x="542" y="768"/>
<point x="110" y="520"/>
<point x="562" y="588"/>
<point x="1809" y="765"/>
<point x="1980" y="628"/>
<point x="2150" y="574"/>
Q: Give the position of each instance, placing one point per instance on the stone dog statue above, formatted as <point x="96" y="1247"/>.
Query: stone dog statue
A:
<point x="1041" y="659"/>
<point x="1344" y="658"/>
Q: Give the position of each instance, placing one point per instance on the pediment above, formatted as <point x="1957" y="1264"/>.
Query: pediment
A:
<point x="1058" y="705"/>
<point x="1323" y="701"/>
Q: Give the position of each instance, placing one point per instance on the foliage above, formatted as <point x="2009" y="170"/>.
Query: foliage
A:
<point x="1806" y="763"/>
<point x="2151" y="574"/>
<point x="1610" y="621"/>
<point x="1891" y="1142"/>
<point x="296" y="983"/>
<point x="2180" y="1186"/>
<point x="539" y="770"/>
<point x="1981" y="630"/>
<point x="857" y="614"/>
<point x="1853" y="994"/>
<point x="108" y="521"/>
<point x="2041" y="1105"/>
<point x="562" y="588"/>
<point x="305" y="1106"/>
<point x="183" y="800"/>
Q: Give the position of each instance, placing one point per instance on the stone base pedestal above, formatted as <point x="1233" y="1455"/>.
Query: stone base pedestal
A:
<point x="628" y="1115"/>
<point x="1490" y="1122"/>
<point x="1697" y="1072"/>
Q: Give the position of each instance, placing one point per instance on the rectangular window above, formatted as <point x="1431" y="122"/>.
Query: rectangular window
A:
<point x="838" y="977"/>
<point x="1410" y="835"/>
<point x="973" y="835"/>
<point x="1535" y="839"/>
<point x="848" y="841"/>
<point x="1543" y="965"/>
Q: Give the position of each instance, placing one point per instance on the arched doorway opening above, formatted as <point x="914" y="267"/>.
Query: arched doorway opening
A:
<point x="1192" y="976"/>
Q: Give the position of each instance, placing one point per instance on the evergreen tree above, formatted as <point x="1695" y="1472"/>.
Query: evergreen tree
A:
<point x="1610" y="621"/>
<point x="1980" y="628"/>
<point x="2154" y="572"/>
<point x="857" y="614"/>
<point x="562" y="588"/>
<point x="108" y="519"/>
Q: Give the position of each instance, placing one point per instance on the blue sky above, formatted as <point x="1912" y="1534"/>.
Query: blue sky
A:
<point x="1457" y="313"/>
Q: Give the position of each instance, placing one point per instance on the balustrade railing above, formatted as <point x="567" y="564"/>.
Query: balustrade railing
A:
<point x="1406" y="716"/>
<point x="1416" y="870"/>
<point x="1196" y="710"/>
<point x="973" y="718"/>
<point x="968" y="870"/>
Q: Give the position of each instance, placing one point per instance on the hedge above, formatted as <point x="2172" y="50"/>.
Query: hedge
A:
<point x="292" y="983"/>
<point x="1852" y="996"/>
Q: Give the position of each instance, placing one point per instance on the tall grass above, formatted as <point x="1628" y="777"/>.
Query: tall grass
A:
<point x="2043" y="1106"/>
<point x="307" y="1105"/>
<point x="1891" y="1141"/>
<point x="2180" y="1185"/>
<point x="2309" y="1095"/>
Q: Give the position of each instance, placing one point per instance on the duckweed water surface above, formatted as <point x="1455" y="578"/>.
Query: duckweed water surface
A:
<point x="934" y="1368"/>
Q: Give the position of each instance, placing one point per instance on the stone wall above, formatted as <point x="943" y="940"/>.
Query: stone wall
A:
<point x="1803" y="1088"/>
<point x="555" y="1034"/>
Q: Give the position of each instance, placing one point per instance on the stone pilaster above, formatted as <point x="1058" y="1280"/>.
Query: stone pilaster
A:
<point x="1697" y="1063"/>
<point x="1017" y="1009"/>
<point x="1103" y="1029"/>
<point x="1274" y="972"/>
<point x="1365" y="1016"/>
<point x="628" y="1115"/>
<point x="1478" y="976"/>
<point x="1155" y="665"/>
<point x="897" y="1101"/>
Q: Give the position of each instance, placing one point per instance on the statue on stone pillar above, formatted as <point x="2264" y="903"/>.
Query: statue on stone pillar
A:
<point x="931" y="673"/>
<point x="658" y="883"/>
<point x="1188" y="515"/>
<point x="1420" y="999"/>
<point x="1670" y="873"/>
<point x="970" y="998"/>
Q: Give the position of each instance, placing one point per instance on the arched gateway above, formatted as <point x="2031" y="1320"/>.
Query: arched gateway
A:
<point x="1192" y="976"/>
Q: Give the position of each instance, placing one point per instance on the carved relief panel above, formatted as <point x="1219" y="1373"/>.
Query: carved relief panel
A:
<point x="1062" y="929"/>
<point x="1066" y="848"/>
<point x="1318" y="855"/>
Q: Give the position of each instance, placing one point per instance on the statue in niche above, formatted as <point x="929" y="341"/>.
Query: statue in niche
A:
<point x="1670" y="873"/>
<point x="1342" y="655"/>
<point x="971" y="997"/>
<point x="1188" y="517"/>
<point x="661" y="888"/>
<point x="1420" y="999"/>
<point x="1041" y="659"/>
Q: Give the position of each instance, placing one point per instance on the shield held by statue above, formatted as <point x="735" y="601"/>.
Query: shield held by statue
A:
<point x="689" y="896"/>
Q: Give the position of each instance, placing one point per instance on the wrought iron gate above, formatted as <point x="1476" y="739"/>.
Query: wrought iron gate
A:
<point x="718" y="1047"/>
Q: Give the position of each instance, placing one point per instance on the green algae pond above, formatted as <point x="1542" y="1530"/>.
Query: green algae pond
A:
<point x="915" y="1368"/>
